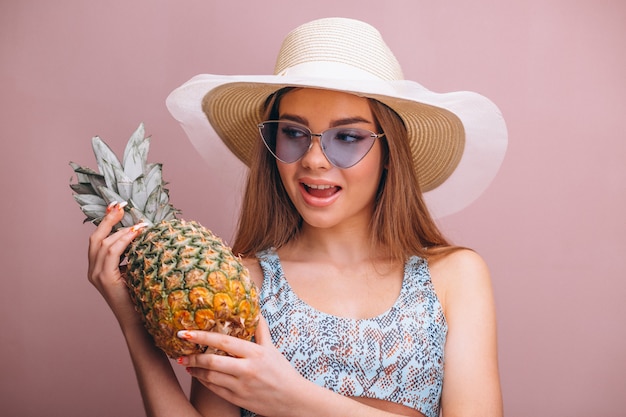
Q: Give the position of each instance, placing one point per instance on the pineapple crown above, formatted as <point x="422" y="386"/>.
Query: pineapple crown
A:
<point x="134" y="180"/>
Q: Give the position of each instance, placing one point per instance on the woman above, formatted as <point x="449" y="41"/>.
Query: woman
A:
<point x="367" y="309"/>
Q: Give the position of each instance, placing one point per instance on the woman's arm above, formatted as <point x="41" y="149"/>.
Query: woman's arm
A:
<point x="161" y="392"/>
<point x="471" y="379"/>
<point x="209" y="403"/>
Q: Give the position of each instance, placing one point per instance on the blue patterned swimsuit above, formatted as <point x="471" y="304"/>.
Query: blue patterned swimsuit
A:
<point x="396" y="356"/>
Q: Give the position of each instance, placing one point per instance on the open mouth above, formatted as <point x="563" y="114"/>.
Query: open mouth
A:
<point x="320" y="190"/>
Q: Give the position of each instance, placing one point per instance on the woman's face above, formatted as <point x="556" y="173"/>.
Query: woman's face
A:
<point x="324" y="195"/>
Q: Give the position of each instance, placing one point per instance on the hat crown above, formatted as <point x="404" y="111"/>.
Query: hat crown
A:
<point x="348" y="42"/>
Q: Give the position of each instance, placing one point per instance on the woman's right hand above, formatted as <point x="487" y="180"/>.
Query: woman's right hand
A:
<point x="105" y="251"/>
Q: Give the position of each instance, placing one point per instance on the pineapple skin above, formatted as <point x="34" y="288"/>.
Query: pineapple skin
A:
<point x="183" y="277"/>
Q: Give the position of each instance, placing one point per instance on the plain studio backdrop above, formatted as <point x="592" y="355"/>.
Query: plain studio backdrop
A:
<point x="551" y="225"/>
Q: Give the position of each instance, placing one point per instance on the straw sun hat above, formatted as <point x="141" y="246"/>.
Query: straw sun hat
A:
<point x="457" y="139"/>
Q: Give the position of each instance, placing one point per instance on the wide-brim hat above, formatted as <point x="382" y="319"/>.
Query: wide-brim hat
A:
<point x="458" y="139"/>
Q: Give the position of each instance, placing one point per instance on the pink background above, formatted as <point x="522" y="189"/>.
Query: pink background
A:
<point x="551" y="225"/>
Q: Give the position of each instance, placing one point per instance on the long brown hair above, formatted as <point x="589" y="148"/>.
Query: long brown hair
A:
<point x="401" y="224"/>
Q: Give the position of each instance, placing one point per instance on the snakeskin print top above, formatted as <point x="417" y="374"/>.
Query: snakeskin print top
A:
<point x="396" y="356"/>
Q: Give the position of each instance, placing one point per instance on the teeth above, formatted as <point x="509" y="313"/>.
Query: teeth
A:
<point x="319" y="187"/>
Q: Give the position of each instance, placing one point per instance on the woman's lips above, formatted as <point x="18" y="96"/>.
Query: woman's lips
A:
<point x="319" y="195"/>
<point x="320" y="191"/>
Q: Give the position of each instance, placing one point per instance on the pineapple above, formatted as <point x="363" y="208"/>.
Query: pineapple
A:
<point x="179" y="274"/>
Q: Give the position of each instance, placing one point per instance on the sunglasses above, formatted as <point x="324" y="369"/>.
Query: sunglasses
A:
<point x="343" y="146"/>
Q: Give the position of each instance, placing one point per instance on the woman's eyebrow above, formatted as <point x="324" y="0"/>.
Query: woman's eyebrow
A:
<point x="334" y="123"/>
<point x="294" y="118"/>
<point x="349" y="121"/>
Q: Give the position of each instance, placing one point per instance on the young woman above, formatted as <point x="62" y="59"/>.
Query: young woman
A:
<point x="367" y="309"/>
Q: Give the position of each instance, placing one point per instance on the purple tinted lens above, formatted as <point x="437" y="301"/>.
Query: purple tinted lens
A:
<point x="345" y="147"/>
<point x="288" y="142"/>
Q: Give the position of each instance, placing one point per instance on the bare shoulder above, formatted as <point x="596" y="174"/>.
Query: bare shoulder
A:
<point x="460" y="261"/>
<point x="256" y="273"/>
<point x="461" y="273"/>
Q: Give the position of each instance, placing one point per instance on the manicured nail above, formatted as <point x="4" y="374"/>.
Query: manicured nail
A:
<point x="181" y="361"/>
<point x="184" y="334"/>
<point x="188" y="370"/>
<point x="110" y="206"/>
<point x="121" y="205"/>
<point x="139" y="226"/>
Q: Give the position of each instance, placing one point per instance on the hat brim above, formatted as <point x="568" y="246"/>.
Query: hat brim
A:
<point x="457" y="140"/>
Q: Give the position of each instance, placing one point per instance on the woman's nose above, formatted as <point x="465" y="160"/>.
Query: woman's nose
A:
<point x="314" y="156"/>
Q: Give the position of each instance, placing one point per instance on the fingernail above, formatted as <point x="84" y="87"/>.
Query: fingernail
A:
<point x="184" y="334"/>
<point x="188" y="370"/>
<point x="181" y="361"/>
<point x="110" y="206"/>
<point x="121" y="205"/>
<point x="139" y="226"/>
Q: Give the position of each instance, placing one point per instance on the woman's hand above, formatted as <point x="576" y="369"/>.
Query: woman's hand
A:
<point x="256" y="377"/>
<point x="105" y="251"/>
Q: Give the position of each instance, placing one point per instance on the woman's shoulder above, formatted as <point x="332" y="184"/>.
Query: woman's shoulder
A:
<point x="458" y="273"/>
<point x="254" y="268"/>
<point x="453" y="259"/>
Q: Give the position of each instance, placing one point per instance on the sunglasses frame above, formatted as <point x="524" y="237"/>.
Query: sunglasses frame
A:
<point x="319" y="135"/>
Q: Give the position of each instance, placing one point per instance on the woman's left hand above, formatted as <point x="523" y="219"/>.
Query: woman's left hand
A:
<point x="256" y="377"/>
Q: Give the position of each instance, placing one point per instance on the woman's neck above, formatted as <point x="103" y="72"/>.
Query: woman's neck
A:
<point x="343" y="245"/>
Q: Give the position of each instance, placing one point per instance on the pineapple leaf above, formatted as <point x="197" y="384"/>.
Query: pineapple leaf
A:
<point x="136" y="153"/>
<point x="86" y="178"/>
<point x="151" y="205"/>
<point x="143" y="186"/>
<point x="89" y="199"/>
<point x="138" y="216"/>
<point x="93" y="221"/>
<point x="85" y="173"/>
<point x="164" y="197"/>
<point x="82" y="188"/>
<point x="109" y="195"/>
<point x="106" y="159"/>
<point x="140" y="194"/>
<point x="154" y="177"/>
<point x="150" y="166"/>
<point x="127" y="220"/>
<point x="135" y="180"/>
<point x="165" y="212"/>
<point x="124" y="183"/>
<point x="94" y="211"/>
<point x="96" y="183"/>
<point x="82" y="173"/>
